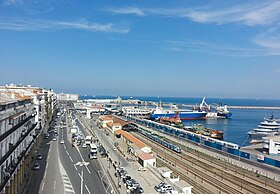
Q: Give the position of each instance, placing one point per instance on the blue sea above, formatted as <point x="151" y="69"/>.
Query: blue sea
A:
<point x="235" y="129"/>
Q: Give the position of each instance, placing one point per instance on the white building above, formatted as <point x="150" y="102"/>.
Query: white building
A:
<point x="24" y="111"/>
<point x="67" y="97"/>
<point x="272" y="144"/>
<point x="146" y="159"/>
<point x="113" y="127"/>
<point x="135" y="111"/>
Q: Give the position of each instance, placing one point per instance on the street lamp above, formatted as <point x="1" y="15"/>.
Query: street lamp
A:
<point x="82" y="164"/>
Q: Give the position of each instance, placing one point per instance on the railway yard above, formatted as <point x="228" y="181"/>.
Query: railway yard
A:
<point x="208" y="174"/>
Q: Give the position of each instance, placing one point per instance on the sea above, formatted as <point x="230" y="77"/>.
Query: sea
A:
<point x="235" y="128"/>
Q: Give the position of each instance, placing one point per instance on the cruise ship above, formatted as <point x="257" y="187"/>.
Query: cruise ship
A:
<point x="183" y="114"/>
<point x="269" y="127"/>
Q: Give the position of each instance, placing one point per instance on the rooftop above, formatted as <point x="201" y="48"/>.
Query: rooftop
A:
<point x="146" y="156"/>
<point x="131" y="138"/>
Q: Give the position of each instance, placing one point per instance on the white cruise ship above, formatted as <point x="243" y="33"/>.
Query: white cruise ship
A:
<point x="269" y="127"/>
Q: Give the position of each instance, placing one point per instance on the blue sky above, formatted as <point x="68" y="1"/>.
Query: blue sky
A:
<point x="148" y="48"/>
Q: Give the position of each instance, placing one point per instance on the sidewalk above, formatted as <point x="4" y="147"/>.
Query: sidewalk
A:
<point x="29" y="180"/>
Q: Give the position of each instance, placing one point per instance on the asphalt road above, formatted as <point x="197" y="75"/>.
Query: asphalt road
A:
<point x="59" y="173"/>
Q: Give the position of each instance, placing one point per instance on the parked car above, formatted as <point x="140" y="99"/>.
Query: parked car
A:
<point x="141" y="169"/>
<point x="36" y="166"/>
<point x="46" y="135"/>
<point x="39" y="156"/>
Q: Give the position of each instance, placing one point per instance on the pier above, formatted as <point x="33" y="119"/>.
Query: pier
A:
<point x="255" y="107"/>
<point x="243" y="107"/>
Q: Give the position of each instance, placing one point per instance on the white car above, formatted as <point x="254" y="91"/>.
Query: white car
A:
<point x="84" y="145"/>
<point x="62" y="141"/>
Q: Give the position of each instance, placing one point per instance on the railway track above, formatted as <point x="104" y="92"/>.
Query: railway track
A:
<point x="263" y="183"/>
<point x="197" y="188"/>
<point x="216" y="174"/>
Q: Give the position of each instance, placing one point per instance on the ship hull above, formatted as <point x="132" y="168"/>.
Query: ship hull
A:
<point x="258" y="137"/>
<point x="182" y="115"/>
<point x="225" y="115"/>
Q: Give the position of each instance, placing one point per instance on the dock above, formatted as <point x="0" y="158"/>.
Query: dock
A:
<point x="244" y="107"/>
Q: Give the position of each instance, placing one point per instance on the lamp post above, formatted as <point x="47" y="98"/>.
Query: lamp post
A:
<point x="82" y="164"/>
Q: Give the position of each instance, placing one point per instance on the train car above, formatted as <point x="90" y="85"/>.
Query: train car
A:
<point x="160" y="141"/>
<point x="231" y="145"/>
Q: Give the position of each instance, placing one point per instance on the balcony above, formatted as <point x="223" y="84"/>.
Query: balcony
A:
<point x="13" y="166"/>
<point x="14" y="128"/>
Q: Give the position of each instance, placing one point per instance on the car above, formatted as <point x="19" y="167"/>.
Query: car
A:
<point x="62" y="141"/>
<point x="54" y="139"/>
<point x="142" y="169"/>
<point x="36" y="166"/>
<point x="137" y="190"/>
<point x="46" y="135"/>
<point x="39" y="157"/>
<point x="126" y="178"/>
<point x="84" y="145"/>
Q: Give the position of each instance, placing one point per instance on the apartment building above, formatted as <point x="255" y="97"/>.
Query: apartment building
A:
<point x="24" y="112"/>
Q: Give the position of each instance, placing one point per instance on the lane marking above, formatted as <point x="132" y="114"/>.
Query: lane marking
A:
<point x="54" y="185"/>
<point x="43" y="184"/>
<point x="83" y="160"/>
<point x="67" y="153"/>
<point x="87" y="189"/>
<point x="67" y="185"/>
<point x="71" y="159"/>
<point x="76" y="168"/>
<point x="45" y="174"/>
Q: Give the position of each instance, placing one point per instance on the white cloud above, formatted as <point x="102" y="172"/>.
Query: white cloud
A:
<point x="127" y="10"/>
<point x="263" y="13"/>
<point x="215" y="48"/>
<point x="41" y="25"/>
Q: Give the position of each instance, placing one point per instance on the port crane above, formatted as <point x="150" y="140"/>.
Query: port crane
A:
<point x="203" y="105"/>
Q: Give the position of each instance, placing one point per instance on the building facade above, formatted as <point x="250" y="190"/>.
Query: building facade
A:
<point x="67" y="97"/>
<point x="24" y="112"/>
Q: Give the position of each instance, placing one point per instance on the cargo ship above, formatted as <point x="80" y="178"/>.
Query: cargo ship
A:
<point x="183" y="114"/>
<point x="220" y="110"/>
<point x="200" y="129"/>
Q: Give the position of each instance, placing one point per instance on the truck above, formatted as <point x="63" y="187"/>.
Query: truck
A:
<point x="93" y="151"/>
<point x="88" y="140"/>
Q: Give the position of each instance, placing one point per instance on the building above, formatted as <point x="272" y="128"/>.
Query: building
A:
<point x="135" y="111"/>
<point x="133" y="144"/>
<point x="146" y="159"/>
<point x="67" y="97"/>
<point x="113" y="127"/>
<point x="103" y="120"/>
<point x="272" y="144"/>
<point x="24" y="112"/>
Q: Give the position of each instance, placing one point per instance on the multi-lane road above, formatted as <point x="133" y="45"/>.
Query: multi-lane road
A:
<point x="59" y="172"/>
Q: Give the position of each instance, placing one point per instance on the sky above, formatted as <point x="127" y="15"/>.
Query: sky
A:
<point x="184" y="48"/>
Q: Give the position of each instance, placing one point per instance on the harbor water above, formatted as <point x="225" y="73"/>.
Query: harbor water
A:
<point x="235" y="129"/>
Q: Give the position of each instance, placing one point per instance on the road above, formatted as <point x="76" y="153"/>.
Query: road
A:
<point x="59" y="173"/>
